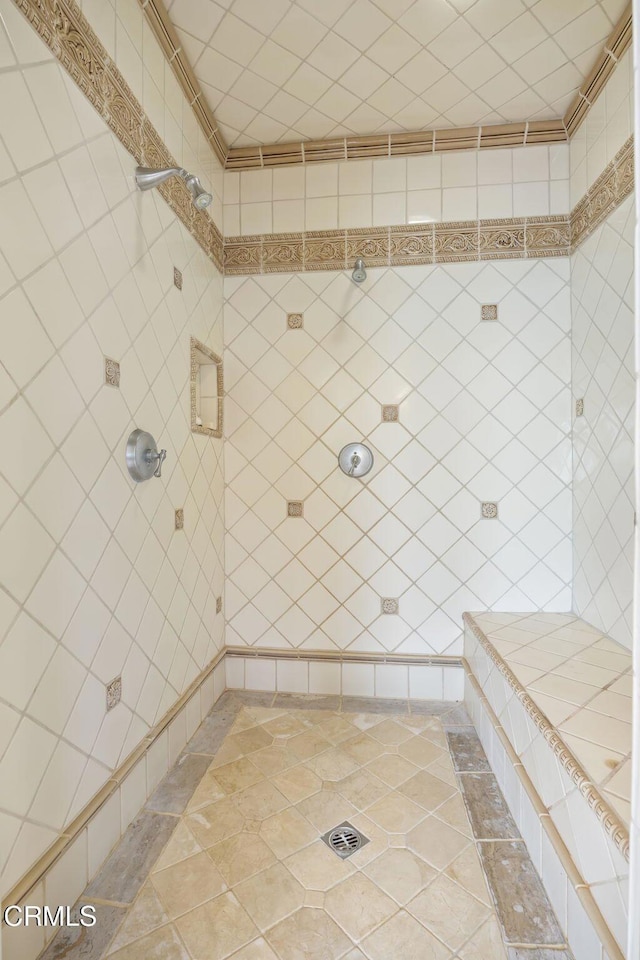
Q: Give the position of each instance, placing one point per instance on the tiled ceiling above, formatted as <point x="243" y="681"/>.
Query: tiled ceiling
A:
<point x="282" y="70"/>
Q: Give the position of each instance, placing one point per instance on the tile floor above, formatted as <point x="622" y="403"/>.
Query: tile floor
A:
<point x="245" y="875"/>
<point x="581" y="680"/>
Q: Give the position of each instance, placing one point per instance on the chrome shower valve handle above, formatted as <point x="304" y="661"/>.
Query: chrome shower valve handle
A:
<point x="144" y="460"/>
<point x="355" y="460"/>
<point x="160" y="456"/>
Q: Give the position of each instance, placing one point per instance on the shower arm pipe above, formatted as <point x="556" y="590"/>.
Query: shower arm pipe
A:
<point x="149" y="177"/>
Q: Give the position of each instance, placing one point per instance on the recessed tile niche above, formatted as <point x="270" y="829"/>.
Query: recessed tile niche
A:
<point x="206" y="390"/>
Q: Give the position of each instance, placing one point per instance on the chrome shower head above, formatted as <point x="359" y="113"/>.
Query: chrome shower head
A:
<point x="359" y="273"/>
<point x="147" y="178"/>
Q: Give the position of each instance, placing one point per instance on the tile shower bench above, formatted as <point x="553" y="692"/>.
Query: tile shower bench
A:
<point x="550" y="696"/>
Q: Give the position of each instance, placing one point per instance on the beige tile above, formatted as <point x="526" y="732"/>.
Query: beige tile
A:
<point x="620" y="782"/>
<point x="326" y="809"/>
<point x="227" y="752"/>
<point x="237" y="775"/>
<point x="146" y="915"/>
<point x="308" y="744"/>
<point x="241" y="856"/>
<point x="270" y="896"/>
<point x="396" y="813"/>
<point x="285" y="726"/>
<point x="249" y="740"/>
<point x="336" y="729"/>
<point x="273" y="760"/>
<point x="599" y="762"/>
<point x="317" y="867"/>
<point x="260" y="801"/>
<point x="392" y="769"/>
<point x="163" y="943"/>
<point x="297" y="783"/>
<point x="556" y="711"/>
<point x="391" y="733"/>
<point x="361" y="789"/>
<point x="308" y="935"/>
<point x="468" y="873"/>
<point x="216" y="929"/>
<point x="448" y="911"/>
<point x="216" y="822"/>
<point x="612" y="705"/>
<point x="257" y="950"/>
<point x="454" y="812"/>
<point x="427" y="791"/>
<point x="363" y="748"/>
<point x="358" y="906"/>
<point x="436" y="843"/>
<point x="287" y="832"/>
<point x="585" y="673"/>
<point x="182" y="844"/>
<point x="402" y="936"/>
<point x="400" y="874"/>
<point x="485" y="942"/>
<point x="606" y="731"/>
<point x="562" y="688"/>
<point x="334" y="764"/>
<point x="207" y="791"/>
<point x="187" y="884"/>
<point x="420" y="751"/>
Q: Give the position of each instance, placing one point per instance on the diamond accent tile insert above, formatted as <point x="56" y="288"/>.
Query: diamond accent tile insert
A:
<point x="177" y="278"/>
<point x="489" y="311"/>
<point x="389" y="605"/>
<point x="490" y="511"/>
<point x="390" y="413"/>
<point x="111" y="372"/>
<point x="180" y="518"/>
<point x="218" y="604"/>
<point x="295" y="321"/>
<point x="114" y="693"/>
<point x="294" y="508"/>
<point x="580" y="408"/>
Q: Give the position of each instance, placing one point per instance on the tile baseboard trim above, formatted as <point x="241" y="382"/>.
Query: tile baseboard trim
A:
<point x="609" y="819"/>
<point x="328" y="656"/>
<point x="194" y="704"/>
<point x="573" y="875"/>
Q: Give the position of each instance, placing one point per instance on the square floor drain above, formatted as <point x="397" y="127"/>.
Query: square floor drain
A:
<point x="344" y="840"/>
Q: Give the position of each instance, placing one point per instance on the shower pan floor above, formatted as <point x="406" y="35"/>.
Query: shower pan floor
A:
<point x="245" y="874"/>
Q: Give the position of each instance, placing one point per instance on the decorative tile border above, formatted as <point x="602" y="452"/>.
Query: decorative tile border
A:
<point x="612" y="187"/>
<point x="68" y="34"/>
<point x="610" y="820"/>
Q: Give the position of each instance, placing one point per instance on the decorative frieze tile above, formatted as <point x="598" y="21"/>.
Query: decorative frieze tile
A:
<point x="605" y="194"/>
<point x="489" y="510"/>
<point x="295" y="508"/>
<point x="456" y="242"/>
<point x="547" y="236"/>
<point x="114" y="693"/>
<point x="218" y="604"/>
<point x="369" y="243"/>
<point x="325" y="250"/>
<point x="390" y="413"/>
<point x="580" y="408"/>
<point x="177" y="278"/>
<point x="411" y="245"/>
<point x="489" y="311"/>
<point x="282" y="253"/>
<point x="242" y="255"/>
<point x="179" y="518"/>
<point x="501" y="239"/>
<point x="389" y="605"/>
<point x="294" y="321"/>
<point x="111" y="372"/>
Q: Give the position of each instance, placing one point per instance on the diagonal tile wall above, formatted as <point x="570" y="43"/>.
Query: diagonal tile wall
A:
<point x="484" y="418"/>
<point x="602" y="289"/>
<point x="97" y="584"/>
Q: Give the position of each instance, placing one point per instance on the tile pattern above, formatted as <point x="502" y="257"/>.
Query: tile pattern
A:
<point x="295" y="321"/>
<point x="180" y="518"/>
<point x="489" y="311"/>
<point x="390" y="413"/>
<point x="603" y="375"/>
<point x="114" y="693"/>
<point x="245" y="871"/>
<point x="489" y="510"/>
<point x="477" y="412"/>
<point x="389" y="605"/>
<point x="295" y="508"/>
<point x="198" y="350"/>
<point x="111" y="372"/>
<point x="298" y="72"/>
<point x="580" y="407"/>
<point x="574" y="683"/>
<point x="105" y="589"/>
<point x="177" y="278"/>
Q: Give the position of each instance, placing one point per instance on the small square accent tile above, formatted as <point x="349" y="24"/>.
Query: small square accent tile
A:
<point x="111" y="372"/>
<point x="114" y="693"/>
<point x="294" y="321"/>
<point x="580" y="408"/>
<point x="180" y="519"/>
<point x="390" y="413"/>
<point x="218" y="604"/>
<point x="294" y="508"/>
<point x="177" y="278"/>
<point x="490" y="511"/>
<point x="489" y="311"/>
<point x="390" y="605"/>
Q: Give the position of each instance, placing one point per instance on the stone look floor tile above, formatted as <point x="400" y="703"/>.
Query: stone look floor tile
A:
<point x="87" y="943"/>
<point x="164" y="943"/>
<point x="420" y="751"/>
<point x="395" y="813"/>
<point x="237" y="775"/>
<point x="487" y="942"/>
<point x="393" y="769"/>
<point x="467" y="871"/>
<point x="400" y="874"/>
<point x="216" y="822"/>
<point x="523" y="906"/>
<point x="427" y="791"/>
<point x="521" y="953"/>
<point x="176" y="789"/>
<point x="308" y="935"/>
<point x="326" y="809"/>
<point x="317" y="867"/>
<point x="270" y="896"/>
<point x="146" y="915"/>
<point x="297" y="783"/>
<point x="359" y="906"/>
<point x="257" y="950"/>
<point x="241" y="856"/>
<point x="287" y="832"/>
<point x="404" y="937"/>
<point x="215" y="929"/>
<point x="361" y="789"/>
<point x="488" y="811"/>
<point x="448" y="911"/>
<point x="187" y="884"/>
<point x="436" y="843"/>
<point x="369" y="705"/>
<point x="466" y="751"/>
<point x="260" y="801"/>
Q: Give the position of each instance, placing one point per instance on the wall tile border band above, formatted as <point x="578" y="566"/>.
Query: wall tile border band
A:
<point x="574" y="877"/>
<point x="343" y="656"/>
<point x="610" y="820"/>
<point x="69" y="36"/>
<point x="613" y="186"/>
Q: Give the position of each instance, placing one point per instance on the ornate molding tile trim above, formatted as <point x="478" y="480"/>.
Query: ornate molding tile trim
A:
<point x="612" y="187"/>
<point x="399" y="245"/>
<point x="68" y="34"/>
<point x="609" y="819"/>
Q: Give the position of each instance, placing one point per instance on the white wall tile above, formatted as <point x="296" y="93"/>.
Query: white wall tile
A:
<point x="325" y="678"/>
<point x="292" y="676"/>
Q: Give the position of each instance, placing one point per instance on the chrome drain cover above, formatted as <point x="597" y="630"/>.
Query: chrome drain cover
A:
<point x="345" y="840"/>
